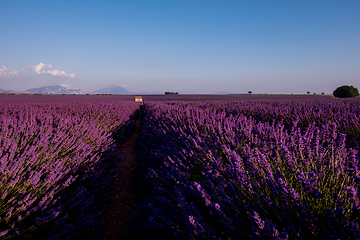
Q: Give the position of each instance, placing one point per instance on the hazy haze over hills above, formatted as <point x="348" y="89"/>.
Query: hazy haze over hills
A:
<point x="6" y="91"/>
<point x="57" y="89"/>
<point x="113" y="90"/>
<point x="67" y="89"/>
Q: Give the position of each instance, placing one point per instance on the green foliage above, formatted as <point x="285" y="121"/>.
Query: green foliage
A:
<point x="171" y="93"/>
<point x="346" y="91"/>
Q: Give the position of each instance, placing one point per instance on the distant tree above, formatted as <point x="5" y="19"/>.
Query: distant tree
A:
<point x="308" y="92"/>
<point x="249" y="92"/>
<point x="322" y="93"/>
<point x="346" y="91"/>
<point x="314" y="93"/>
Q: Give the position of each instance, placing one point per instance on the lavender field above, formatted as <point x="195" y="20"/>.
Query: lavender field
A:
<point x="52" y="164"/>
<point x="250" y="170"/>
<point x="227" y="169"/>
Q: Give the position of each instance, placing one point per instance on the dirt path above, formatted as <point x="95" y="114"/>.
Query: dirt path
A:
<point x="125" y="197"/>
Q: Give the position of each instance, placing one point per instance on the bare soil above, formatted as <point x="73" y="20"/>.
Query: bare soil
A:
<point x="122" y="205"/>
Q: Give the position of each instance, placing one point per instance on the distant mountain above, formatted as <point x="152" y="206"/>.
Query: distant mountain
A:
<point x="6" y="91"/>
<point x="113" y="90"/>
<point x="57" y="89"/>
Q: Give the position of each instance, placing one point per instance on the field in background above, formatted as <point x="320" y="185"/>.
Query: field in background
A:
<point x="146" y="98"/>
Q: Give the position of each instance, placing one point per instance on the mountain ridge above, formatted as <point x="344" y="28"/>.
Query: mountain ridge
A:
<point x="55" y="89"/>
<point x="6" y="91"/>
<point x="112" y="90"/>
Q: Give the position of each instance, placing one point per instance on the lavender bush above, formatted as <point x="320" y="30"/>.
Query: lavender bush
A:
<point x="44" y="149"/>
<point x="229" y="171"/>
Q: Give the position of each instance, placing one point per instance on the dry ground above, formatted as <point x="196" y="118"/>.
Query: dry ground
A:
<point x="122" y="206"/>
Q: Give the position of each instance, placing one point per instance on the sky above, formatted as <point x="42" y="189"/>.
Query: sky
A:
<point x="189" y="46"/>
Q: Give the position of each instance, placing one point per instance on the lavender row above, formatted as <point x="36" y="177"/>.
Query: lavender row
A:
<point x="344" y="113"/>
<point x="44" y="148"/>
<point x="217" y="175"/>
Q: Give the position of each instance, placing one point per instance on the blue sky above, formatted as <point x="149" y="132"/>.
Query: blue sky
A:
<point x="197" y="46"/>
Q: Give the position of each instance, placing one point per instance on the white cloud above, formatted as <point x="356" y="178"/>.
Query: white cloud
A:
<point x="58" y="73"/>
<point x="64" y="85"/>
<point x="6" y="73"/>
<point x="38" y="69"/>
